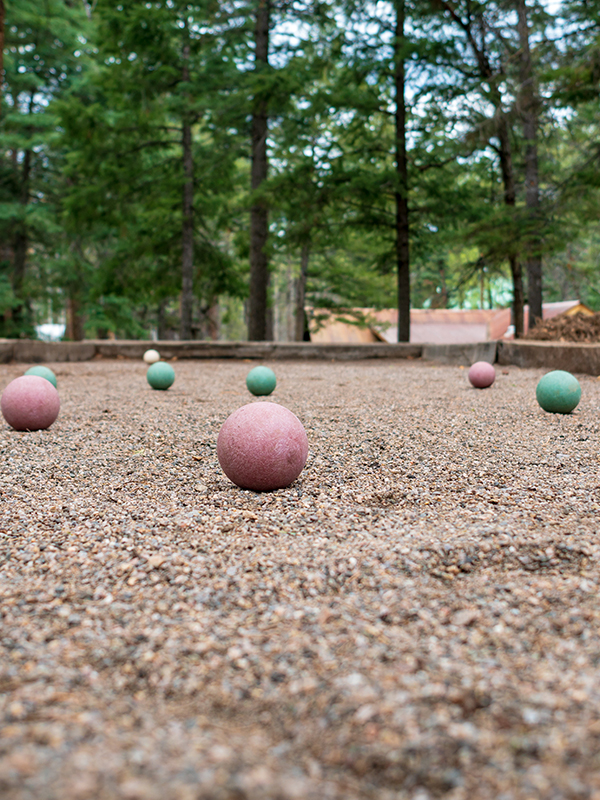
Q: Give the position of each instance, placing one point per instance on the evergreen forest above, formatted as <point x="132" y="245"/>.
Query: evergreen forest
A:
<point x="229" y="168"/>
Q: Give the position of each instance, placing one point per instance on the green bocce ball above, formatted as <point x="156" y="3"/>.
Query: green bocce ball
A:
<point x="43" y="372"/>
<point x="261" y="381"/>
<point x="160" y="375"/>
<point x="558" y="392"/>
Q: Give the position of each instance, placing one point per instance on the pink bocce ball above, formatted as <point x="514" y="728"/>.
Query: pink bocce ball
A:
<point x="30" y="403"/>
<point x="482" y="374"/>
<point x="262" y="446"/>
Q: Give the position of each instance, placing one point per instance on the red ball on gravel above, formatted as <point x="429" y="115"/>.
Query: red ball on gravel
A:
<point x="30" y="403"/>
<point x="262" y="446"/>
<point x="482" y="374"/>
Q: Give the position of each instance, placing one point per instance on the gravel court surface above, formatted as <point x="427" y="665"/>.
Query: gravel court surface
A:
<point x="415" y="617"/>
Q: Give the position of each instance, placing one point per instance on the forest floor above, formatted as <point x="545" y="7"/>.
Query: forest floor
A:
<point x="416" y="617"/>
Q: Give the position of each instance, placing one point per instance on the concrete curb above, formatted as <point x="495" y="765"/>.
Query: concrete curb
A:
<point x="28" y="351"/>
<point x="581" y="358"/>
<point x="465" y="354"/>
<point x="570" y="356"/>
<point x="259" y="350"/>
<point x="7" y="351"/>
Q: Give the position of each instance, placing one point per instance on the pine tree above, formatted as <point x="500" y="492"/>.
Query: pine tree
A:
<point x="490" y="67"/>
<point x="258" y="327"/>
<point x="41" y="60"/>
<point x="528" y="104"/>
<point x="401" y="194"/>
<point x="147" y="129"/>
<point x="2" y="17"/>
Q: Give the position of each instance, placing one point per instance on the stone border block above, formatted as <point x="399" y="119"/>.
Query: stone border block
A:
<point x="345" y="352"/>
<point x="569" y="356"/>
<point x="7" y="349"/>
<point x="464" y="354"/>
<point x="32" y="351"/>
<point x="582" y="358"/>
<point x="257" y="350"/>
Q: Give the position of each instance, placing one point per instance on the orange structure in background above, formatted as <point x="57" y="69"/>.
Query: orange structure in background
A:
<point x="430" y="326"/>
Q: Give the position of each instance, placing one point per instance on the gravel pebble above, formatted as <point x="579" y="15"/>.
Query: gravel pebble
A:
<point x="415" y="617"/>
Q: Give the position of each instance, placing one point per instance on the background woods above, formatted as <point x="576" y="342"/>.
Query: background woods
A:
<point x="213" y="169"/>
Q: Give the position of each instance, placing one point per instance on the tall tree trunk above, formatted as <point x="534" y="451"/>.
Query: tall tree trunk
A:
<point x="402" y="229"/>
<point x="2" y="16"/>
<point x="518" y="296"/>
<point x="481" y="266"/>
<point x="161" y="321"/>
<point x="528" y="106"/>
<point x="259" y="213"/>
<point x="74" y="327"/>
<point x="212" y="321"/>
<point x="187" y="233"/>
<point x="209" y="321"/>
<point x="21" y="242"/>
<point x="20" y="260"/>
<point x="299" y="313"/>
<point x="508" y="180"/>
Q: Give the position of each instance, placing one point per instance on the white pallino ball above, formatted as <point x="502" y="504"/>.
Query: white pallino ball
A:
<point x="151" y="356"/>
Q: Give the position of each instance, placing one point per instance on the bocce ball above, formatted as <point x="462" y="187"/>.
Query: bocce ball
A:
<point x="558" y="392"/>
<point x="262" y="446"/>
<point x="160" y="375"/>
<point x="482" y="374"/>
<point x="261" y="381"/>
<point x="30" y="403"/>
<point x="151" y="356"/>
<point x="43" y="372"/>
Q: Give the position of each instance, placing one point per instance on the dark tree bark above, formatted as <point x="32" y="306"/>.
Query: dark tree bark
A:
<point x="402" y="224"/>
<point x="75" y="323"/>
<point x="20" y="259"/>
<point x="508" y="180"/>
<point x="187" y="232"/>
<point x="299" y="313"/>
<point x="259" y="213"/>
<point x="528" y="107"/>
<point x="21" y="242"/>
<point x="2" y="16"/>
<point x="209" y="321"/>
<point x="74" y="327"/>
<point x="161" y="321"/>
<point x="212" y="321"/>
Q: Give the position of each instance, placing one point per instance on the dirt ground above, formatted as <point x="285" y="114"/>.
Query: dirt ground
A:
<point x="415" y="617"/>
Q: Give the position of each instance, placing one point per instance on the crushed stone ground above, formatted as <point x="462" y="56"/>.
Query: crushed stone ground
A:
<point x="416" y="617"/>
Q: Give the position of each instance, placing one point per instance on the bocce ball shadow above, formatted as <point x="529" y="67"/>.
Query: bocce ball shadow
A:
<point x="262" y="447"/>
